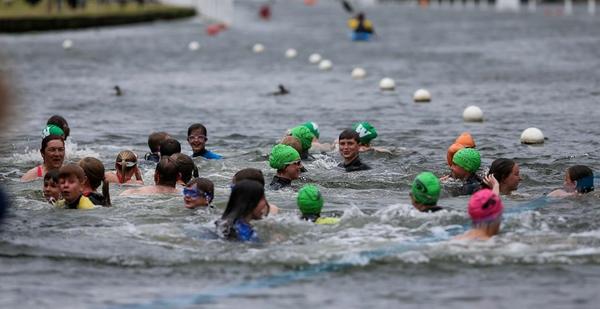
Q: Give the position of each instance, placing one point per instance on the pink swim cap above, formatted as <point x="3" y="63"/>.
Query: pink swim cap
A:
<point x="485" y="206"/>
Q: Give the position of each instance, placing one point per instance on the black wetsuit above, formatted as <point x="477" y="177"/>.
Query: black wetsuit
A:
<point x="96" y="198"/>
<point x="279" y="182"/>
<point x="355" y="165"/>
<point x="469" y="186"/>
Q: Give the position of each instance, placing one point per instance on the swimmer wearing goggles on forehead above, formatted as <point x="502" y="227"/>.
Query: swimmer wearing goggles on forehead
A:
<point x="198" y="193"/>
<point x="126" y="169"/>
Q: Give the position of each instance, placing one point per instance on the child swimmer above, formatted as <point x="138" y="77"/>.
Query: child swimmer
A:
<point x="310" y="202"/>
<point x="579" y="179"/>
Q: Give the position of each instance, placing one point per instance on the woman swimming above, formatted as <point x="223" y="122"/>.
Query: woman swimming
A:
<point x="53" y="155"/>
<point x="246" y="203"/>
<point x="506" y="171"/>
<point x="579" y="179"/>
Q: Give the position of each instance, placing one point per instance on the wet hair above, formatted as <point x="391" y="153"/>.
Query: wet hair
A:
<point x="69" y="170"/>
<point x="47" y="140"/>
<point x="155" y="139"/>
<point x="350" y="134"/>
<point x="583" y="176"/>
<point x="60" y="122"/>
<point x="51" y="175"/>
<point x="167" y="172"/>
<point x="94" y="171"/>
<point x="204" y="185"/>
<point x="501" y="168"/>
<point x="169" y="147"/>
<point x="244" y="198"/>
<point x="249" y="174"/>
<point x="197" y="126"/>
<point x="185" y="166"/>
<point x="293" y="142"/>
<point x="124" y="157"/>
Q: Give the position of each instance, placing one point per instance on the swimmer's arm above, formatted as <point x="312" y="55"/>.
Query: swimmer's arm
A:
<point x="30" y="175"/>
<point x="273" y="209"/>
<point x="559" y="193"/>
<point x="382" y="150"/>
<point x="138" y="176"/>
<point x="491" y="182"/>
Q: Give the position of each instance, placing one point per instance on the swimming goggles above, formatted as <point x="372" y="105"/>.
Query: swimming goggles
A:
<point x="197" y="137"/>
<point x="193" y="193"/>
<point x="127" y="163"/>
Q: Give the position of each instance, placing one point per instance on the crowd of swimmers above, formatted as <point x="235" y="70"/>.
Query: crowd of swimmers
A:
<point x="75" y="186"/>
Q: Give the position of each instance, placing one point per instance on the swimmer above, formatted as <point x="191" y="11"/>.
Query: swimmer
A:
<point x="317" y="146"/>
<point x="305" y="136"/>
<point x="465" y="165"/>
<point x="94" y="177"/>
<point x="579" y="179"/>
<point x="246" y="203"/>
<point x="52" y="187"/>
<point x="60" y="122"/>
<point x="52" y="130"/>
<point x="485" y="210"/>
<point x="165" y="179"/>
<point x="367" y="134"/>
<point x="154" y="141"/>
<point x="256" y="175"/>
<point x="198" y="193"/>
<point x="186" y="168"/>
<point x="169" y="146"/>
<point x="126" y="169"/>
<point x="310" y="202"/>
<point x="349" y="149"/>
<point x="286" y="160"/>
<point x="425" y="192"/>
<point x="71" y="178"/>
<point x="465" y="140"/>
<point x="53" y="155"/>
<point x="197" y="136"/>
<point x="506" y="171"/>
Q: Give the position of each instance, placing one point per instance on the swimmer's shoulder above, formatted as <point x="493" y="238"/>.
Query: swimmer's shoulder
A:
<point x="30" y="175"/>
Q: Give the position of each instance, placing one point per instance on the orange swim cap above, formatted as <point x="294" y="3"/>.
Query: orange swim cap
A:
<point x="452" y="150"/>
<point x="466" y="140"/>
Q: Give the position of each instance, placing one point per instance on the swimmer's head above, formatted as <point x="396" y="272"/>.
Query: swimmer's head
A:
<point x="310" y="201"/>
<point x="282" y="156"/>
<point x="71" y="178"/>
<point x="466" y="140"/>
<point x="51" y="186"/>
<point x="199" y="192"/>
<point x="426" y="189"/>
<point x="304" y="135"/>
<point x="94" y="171"/>
<point x="292" y="141"/>
<point x="485" y="207"/>
<point x="125" y="164"/>
<point x="53" y="151"/>
<point x="155" y="139"/>
<point x="366" y="132"/>
<point x="249" y="174"/>
<point x="52" y="130"/>
<point x="60" y="122"/>
<point x="185" y="166"/>
<point x="467" y="158"/>
<point x="582" y="177"/>
<point x="166" y="172"/>
<point x="197" y="135"/>
<point x="313" y="127"/>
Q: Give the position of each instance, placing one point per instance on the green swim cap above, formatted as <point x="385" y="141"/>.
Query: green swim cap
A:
<point x="365" y="131"/>
<point x="426" y="189"/>
<point x="52" y="130"/>
<point x="282" y="155"/>
<point x="304" y="135"/>
<point x="310" y="200"/>
<point x="313" y="127"/>
<point x="468" y="158"/>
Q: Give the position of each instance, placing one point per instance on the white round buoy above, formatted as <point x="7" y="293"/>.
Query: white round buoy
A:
<point x="325" y="65"/>
<point x="422" y="95"/>
<point x="387" y="84"/>
<point x="67" y="44"/>
<point x="314" y="58"/>
<point x="291" y="53"/>
<point x="532" y="136"/>
<point x="194" y="45"/>
<point x="258" y="48"/>
<point x="359" y="73"/>
<point x="473" y="114"/>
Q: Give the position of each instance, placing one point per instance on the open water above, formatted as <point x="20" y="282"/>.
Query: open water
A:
<point x="522" y="69"/>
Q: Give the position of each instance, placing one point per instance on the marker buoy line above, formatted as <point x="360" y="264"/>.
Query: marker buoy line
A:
<point x="314" y="58"/>
<point x="422" y="96"/>
<point x="359" y="73"/>
<point x="258" y="48"/>
<point x="532" y="136"/>
<point x="387" y="84"/>
<point x="194" y="45"/>
<point x="473" y="114"/>
<point x="291" y="53"/>
<point x="67" y="44"/>
<point x="325" y="65"/>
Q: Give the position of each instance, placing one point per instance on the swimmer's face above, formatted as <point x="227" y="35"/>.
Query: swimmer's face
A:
<point x="192" y="198"/>
<point x="458" y="172"/>
<point x="70" y="187"/>
<point x="197" y="140"/>
<point x="348" y="149"/>
<point x="511" y="182"/>
<point x="569" y="184"/>
<point x="51" y="190"/>
<point x="261" y="210"/>
<point x="54" y="154"/>
<point x="292" y="171"/>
